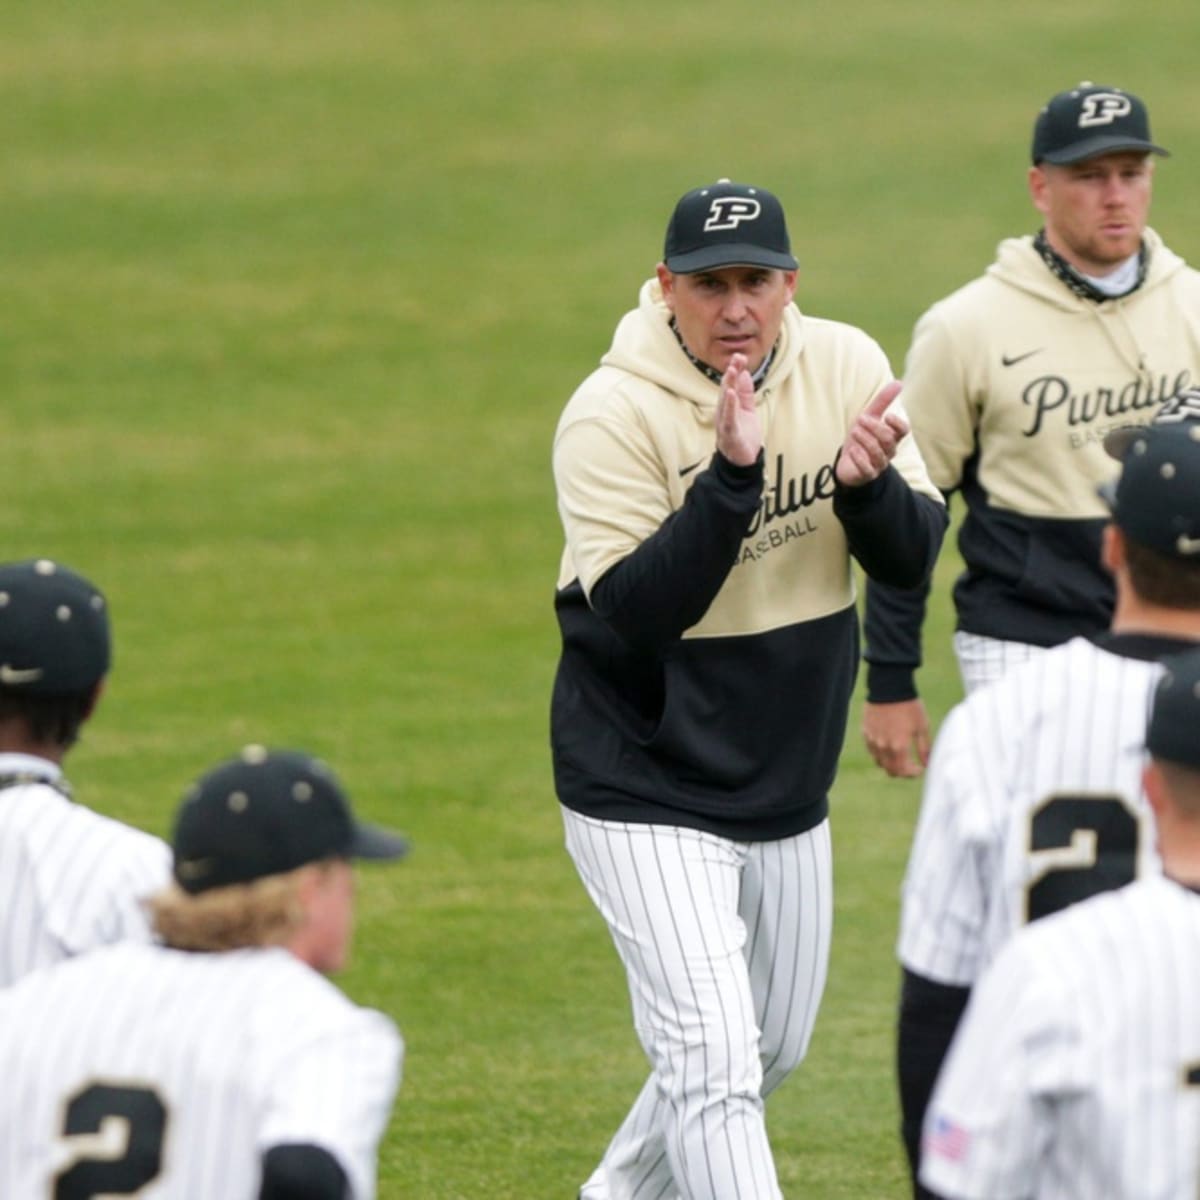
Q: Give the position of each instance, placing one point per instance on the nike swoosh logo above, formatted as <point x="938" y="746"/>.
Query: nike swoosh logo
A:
<point x="1187" y="545"/>
<point x="1012" y="360"/>
<point x="15" y="675"/>
<point x="688" y="470"/>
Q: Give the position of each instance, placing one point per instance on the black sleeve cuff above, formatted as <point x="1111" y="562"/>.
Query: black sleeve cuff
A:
<point x="889" y="683"/>
<point x="302" y="1172"/>
<point x="731" y="473"/>
<point x="929" y="1015"/>
<point x="850" y="499"/>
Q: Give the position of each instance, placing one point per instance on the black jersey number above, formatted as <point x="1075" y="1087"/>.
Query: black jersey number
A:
<point x="1080" y="845"/>
<point x="115" y="1132"/>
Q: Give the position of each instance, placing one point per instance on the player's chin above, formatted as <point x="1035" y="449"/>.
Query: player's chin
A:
<point x="725" y="348"/>
<point x="1118" y="244"/>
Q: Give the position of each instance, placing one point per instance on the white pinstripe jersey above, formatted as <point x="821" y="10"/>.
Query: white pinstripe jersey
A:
<point x="1075" y="1074"/>
<point x="190" y="1067"/>
<point x="70" y="879"/>
<point x="1032" y="801"/>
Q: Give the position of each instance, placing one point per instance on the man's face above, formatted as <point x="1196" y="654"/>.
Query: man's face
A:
<point x="1095" y="210"/>
<point x="728" y="311"/>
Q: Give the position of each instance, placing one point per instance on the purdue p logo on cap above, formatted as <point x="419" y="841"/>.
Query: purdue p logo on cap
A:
<point x="1103" y="108"/>
<point x="728" y="212"/>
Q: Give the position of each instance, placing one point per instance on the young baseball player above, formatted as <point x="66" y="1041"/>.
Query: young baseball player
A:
<point x="716" y="476"/>
<point x="70" y="879"/>
<point x="1076" y="1073"/>
<point x="1032" y="801"/>
<point x="221" y="1063"/>
<point x="1011" y="384"/>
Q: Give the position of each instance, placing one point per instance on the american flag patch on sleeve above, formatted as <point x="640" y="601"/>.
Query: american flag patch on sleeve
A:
<point x="945" y="1139"/>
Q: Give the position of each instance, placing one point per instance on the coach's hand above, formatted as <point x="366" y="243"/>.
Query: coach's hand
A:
<point x="739" y="430"/>
<point x="897" y="735"/>
<point x="872" y="441"/>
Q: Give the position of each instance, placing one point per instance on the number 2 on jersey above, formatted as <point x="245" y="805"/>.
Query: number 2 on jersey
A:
<point x="1080" y="844"/>
<point x="114" y="1134"/>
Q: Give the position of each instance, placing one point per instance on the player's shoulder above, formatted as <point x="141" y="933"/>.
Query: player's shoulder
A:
<point x="1085" y="676"/>
<point x="52" y="986"/>
<point x="28" y="805"/>
<point x="1165" y="265"/>
<point x="1042" y="683"/>
<point x="1156" y="893"/>
<point x="999" y="720"/>
<point x="966" y="298"/>
<point x="111" y="849"/>
<point x="830" y="333"/>
<point x="1012" y="254"/>
<point x="1100" y="925"/>
<point x="597" y="395"/>
<point x="294" y="1000"/>
<point x="41" y="824"/>
<point x="831" y="359"/>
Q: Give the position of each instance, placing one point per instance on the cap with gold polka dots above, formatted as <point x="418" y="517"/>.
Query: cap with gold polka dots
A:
<point x="54" y="632"/>
<point x="266" y="812"/>
<point x="1174" y="732"/>
<point x="1156" y="499"/>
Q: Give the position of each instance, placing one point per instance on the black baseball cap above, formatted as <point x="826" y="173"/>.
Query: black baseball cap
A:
<point x="1156" y="498"/>
<point x="266" y="812"/>
<point x="54" y="634"/>
<point x="1089" y="120"/>
<point x="727" y="225"/>
<point x="1174" y="731"/>
<point x="1178" y="410"/>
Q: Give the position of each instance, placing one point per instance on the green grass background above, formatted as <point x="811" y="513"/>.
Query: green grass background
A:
<point x="292" y="296"/>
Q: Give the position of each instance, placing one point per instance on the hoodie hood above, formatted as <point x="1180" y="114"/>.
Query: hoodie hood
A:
<point x="1019" y="265"/>
<point x="645" y="345"/>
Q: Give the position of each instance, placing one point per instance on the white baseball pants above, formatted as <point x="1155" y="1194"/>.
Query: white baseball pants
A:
<point x="726" y="950"/>
<point x="984" y="659"/>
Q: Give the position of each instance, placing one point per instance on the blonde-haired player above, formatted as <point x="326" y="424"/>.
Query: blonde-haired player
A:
<point x="221" y="1063"/>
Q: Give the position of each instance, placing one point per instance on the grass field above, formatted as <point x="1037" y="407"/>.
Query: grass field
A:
<point x="293" y="295"/>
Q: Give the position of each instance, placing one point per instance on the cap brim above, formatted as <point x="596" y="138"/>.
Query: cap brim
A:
<point x="1092" y="147"/>
<point x="731" y="254"/>
<point x="382" y="845"/>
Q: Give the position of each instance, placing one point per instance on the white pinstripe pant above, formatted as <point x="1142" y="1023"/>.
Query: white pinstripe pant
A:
<point x="726" y="949"/>
<point x="982" y="660"/>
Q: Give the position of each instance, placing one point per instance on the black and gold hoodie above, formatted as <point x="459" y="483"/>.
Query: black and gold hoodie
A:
<point x="709" y="629"/>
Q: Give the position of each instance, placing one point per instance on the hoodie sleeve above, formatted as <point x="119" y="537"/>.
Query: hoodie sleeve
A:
<point x="942" y="402"/>
<point x="892" y="643"/>
<point x="894" y="532"/>
<point x="894" y="524"/>
<point x="942" y="406"/>
<point x="667" y="584"/>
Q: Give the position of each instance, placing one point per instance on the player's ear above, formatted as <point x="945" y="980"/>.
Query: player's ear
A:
<point x="1038" y="188"/>
<point x="666" y="281"/>
<point x="1155" y="789"/>
<point x="309" y="880"/>
<point x="1112" y="549"/>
